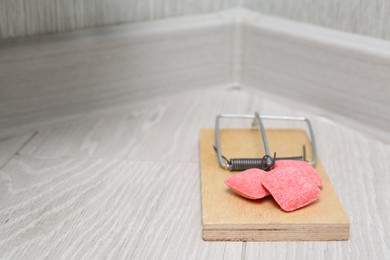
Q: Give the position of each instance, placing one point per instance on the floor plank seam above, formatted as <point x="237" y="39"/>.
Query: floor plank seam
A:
<point x="42" y="157"/>
<point x="27" y="142"/>
<point x="243" y="252"/>
<point x="18" y="150"/>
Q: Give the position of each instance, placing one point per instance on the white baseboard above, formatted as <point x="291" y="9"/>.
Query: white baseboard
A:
<point x="60" y="75"/>
<point x="347" y="75"/>
<point x="54" y="76"/>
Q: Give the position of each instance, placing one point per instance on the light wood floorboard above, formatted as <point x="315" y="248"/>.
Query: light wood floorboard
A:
<point x="125" y="184"/>
<point x="104" y="208"/>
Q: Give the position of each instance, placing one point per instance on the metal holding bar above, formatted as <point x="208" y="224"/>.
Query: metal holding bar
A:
<point x="267" y="159"/>
<point x="262" y="131"/>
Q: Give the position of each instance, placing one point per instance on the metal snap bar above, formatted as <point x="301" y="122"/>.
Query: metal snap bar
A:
<point x="267" y="162"/>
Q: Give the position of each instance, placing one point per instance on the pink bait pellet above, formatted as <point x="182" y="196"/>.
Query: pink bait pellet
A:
<point x="291" y="187"/>
<point x="248" y="184"/>
<point x="308" y="170"/>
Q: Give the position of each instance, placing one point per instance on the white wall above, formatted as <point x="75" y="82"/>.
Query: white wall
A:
<point x="31" y="17"/>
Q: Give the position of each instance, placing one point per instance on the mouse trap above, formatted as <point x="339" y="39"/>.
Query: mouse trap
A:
<point x="226" y="215"/>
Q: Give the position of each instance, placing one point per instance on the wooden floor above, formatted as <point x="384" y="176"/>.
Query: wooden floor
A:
<point x="125" y="183"/>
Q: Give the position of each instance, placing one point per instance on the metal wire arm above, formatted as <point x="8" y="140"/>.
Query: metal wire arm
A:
<point x="267" y="162"/>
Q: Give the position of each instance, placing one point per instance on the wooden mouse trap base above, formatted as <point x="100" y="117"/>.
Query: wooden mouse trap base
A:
<point x="228" y="216"/>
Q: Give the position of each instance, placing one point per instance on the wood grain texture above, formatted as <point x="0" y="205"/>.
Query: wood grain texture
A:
<point x="135" y="132"/>
<point x="73" y="208"/>
<point x="47" y="78"/>
<point x="139" y="129"/>
<point x="23" y="18"/>
<point x="356" y="16"/>
<point x="228" y="216"/>
<point x="343" y="74"/>
<point x="70" y="187"/>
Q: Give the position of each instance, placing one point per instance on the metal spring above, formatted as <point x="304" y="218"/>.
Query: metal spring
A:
<point x="242" y="164"/>
<point x="266" y="163"/>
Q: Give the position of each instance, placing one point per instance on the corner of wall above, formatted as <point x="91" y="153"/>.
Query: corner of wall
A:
<point x="341" y="73"/>
<point x="338" y="72"/>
